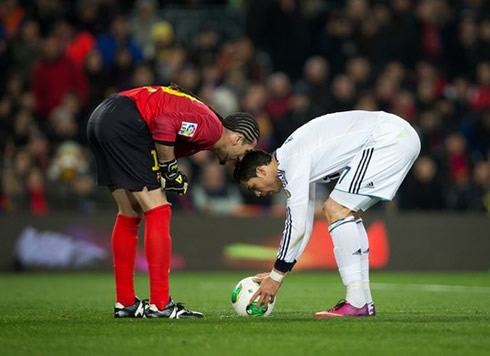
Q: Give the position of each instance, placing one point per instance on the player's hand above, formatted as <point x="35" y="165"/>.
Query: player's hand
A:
<point x="266" y="292"/>
<point x="171" y="178"/>
<point x="259" y="277"/>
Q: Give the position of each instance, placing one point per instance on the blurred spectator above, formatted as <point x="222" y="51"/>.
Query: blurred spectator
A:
<point x="279" y="28"/>
<point x="278" y="105"/>
<point x="431" y="133"/>
<point x="480" y="135"/>
<point x="24" y="128"/>
<point x="480" y="99"/>
<point x="122" y="70"/>
<point x="141" y="24"/>
<point x="117" y="41"/>
<point x="463" y="52"/>
<point x="343" y="93"/>
<point x="457" y="159"/>
<point x="472" y="194"/>
<point x="54" y="64"/>
<point x="11" y="17"/>
<point x="14" y="180"/>
<point x="26" y="49"/>
<point x="422" y="190"/>
<point x="400" y="39"/>
<point x="214" y="194"/>
<point x="335" y="41"/>
<point x="90" y="17"/>
<point x="69" y="162"/>
<point x="315" y="84"/>
<point x="62" y="120"/>
<point x="359" y="71"/>
<point x="77" y="44"/>
<point x="46" y="13"/>
<point x="205" y="46"/>
<point x="98" y="78"/>
<point x="37" y="192"/>
<point x="279" y="96"/>
<point x="427" y="61"/>
<point x="161" y="51"/>
<point x="142" y="76"/>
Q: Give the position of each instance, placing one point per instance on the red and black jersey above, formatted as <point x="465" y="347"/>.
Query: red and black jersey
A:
<point x="176" y="118"/>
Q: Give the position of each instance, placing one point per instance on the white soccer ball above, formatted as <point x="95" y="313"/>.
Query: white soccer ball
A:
<point x="240" y="299"/>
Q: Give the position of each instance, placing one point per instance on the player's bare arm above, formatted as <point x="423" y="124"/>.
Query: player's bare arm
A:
<point x="165" y="152"/>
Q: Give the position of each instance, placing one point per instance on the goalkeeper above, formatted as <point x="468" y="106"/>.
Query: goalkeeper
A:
<point x="136" y="137"/>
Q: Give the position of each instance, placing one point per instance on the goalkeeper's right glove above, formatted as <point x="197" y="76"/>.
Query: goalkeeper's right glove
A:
<point x="172" y="179"/>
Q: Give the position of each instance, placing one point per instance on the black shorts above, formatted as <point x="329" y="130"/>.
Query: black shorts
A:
<point x="122" y="145"/>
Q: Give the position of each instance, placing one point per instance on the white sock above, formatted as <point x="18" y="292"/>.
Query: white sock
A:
<point x="347" y="251"/>
<point x="364" y="261"/>
<point x="355" y="294"/>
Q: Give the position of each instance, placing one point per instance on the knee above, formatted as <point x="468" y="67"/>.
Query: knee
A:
<point x="130" y="210"/>
<point x="333" y="211"/>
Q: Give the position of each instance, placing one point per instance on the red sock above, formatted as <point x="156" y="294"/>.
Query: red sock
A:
<point x="124" y="246"/>
<point x="158" y="249"/>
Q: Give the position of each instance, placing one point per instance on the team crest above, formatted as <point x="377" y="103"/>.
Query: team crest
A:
<point x="188" y="129"/>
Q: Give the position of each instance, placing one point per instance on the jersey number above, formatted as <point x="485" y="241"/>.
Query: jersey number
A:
<point x="155" y="167"/>
<point x="172" y="92"/>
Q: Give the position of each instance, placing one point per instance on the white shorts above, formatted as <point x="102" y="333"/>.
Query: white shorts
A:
<point x="376" y="173"/>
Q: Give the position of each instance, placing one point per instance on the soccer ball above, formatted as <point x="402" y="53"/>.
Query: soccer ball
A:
<point x="240" y="299"/>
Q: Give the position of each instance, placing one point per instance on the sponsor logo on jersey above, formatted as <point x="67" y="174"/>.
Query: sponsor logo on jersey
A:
<point x="188" y="129"/>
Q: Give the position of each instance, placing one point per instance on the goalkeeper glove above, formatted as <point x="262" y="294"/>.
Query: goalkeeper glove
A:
<point x="171" y="178"/>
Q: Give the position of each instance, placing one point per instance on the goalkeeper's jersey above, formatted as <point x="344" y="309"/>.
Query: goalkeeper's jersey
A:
<point x="321" y="151"/>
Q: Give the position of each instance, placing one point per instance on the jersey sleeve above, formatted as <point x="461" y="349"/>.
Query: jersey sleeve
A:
<point x="299" y="219"/>
<point x="191" y="126"/>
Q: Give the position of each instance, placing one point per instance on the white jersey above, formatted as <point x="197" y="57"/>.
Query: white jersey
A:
<point x="344" y="145"/>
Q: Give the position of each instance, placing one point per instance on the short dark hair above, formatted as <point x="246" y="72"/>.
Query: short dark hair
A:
<point x="246" y="168"/>
<point x="243" y="123"/>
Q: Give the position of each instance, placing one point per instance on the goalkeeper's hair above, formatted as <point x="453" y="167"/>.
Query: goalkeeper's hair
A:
<point x="246" y="168"/>
<point x="244" y="124"/>
<point x="239" y="122"/>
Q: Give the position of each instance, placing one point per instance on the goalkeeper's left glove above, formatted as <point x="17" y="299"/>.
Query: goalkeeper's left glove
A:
<point x="171" y="178"/>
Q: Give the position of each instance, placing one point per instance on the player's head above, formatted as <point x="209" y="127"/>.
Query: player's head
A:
<point x="242" y="133"/>
<point x="257" y="172"/>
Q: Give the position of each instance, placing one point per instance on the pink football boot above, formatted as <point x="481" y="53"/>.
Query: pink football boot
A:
<point x="343" y="308"/>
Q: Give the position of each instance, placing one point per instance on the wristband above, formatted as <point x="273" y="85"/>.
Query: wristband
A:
<point x="275" y="276"/>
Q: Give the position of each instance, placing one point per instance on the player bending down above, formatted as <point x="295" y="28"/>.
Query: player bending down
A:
<point x="369" y="153"/>
<point x="136" y="137"/>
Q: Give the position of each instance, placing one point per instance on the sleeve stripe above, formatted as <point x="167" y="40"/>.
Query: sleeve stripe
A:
<point x="287" y="237"/>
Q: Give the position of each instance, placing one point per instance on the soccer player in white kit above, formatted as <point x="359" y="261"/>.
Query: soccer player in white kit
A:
<point x="369" y="154"/>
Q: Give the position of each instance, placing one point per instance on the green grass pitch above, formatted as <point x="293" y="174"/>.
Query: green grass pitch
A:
<point x="418" y="314"/>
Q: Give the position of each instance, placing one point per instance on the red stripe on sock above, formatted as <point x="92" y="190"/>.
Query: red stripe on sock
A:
<point x="158" y="249"/>
<point x="124" y="247"/>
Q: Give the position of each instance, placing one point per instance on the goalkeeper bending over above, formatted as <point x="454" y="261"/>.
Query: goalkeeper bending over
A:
<point x="136" y="137"/>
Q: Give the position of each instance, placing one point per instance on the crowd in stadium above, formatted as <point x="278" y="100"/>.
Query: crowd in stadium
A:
<point x="284" y="61"/>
